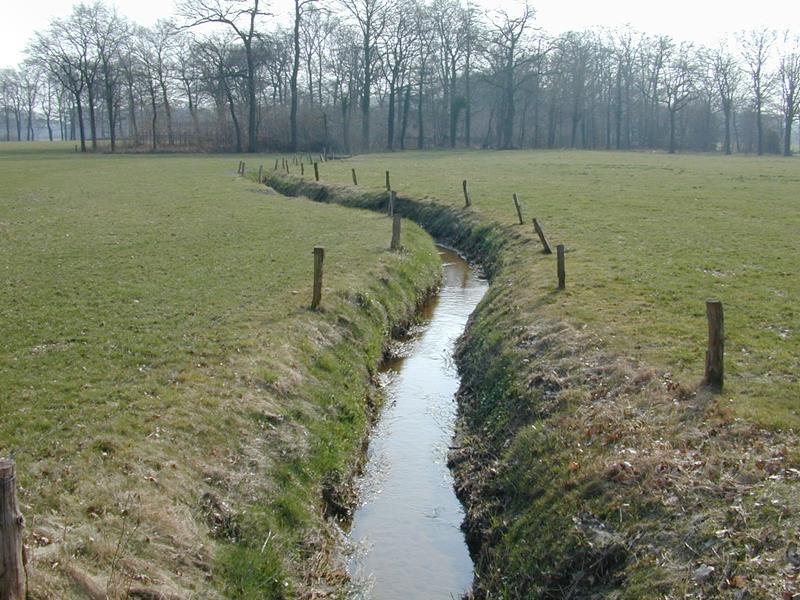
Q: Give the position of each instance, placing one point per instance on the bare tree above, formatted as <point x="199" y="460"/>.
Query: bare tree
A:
<point x="678" y="86"/>
<point x="756" y="46"/>
<point x="399" y="41"/>
<point x="370" y="18"/>
<point x="789" y="72"/>
<point x="109" y="33"/>
<point x="55" y="48"/>
<point x="300" y="9"/>
<point x="727" y="76"/>
<point x="241" y="16"/>
<point x="508" y="52"/>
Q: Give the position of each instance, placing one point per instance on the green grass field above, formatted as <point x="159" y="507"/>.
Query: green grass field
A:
<point x="649" y="238"/>
<point x="163" y="385"/>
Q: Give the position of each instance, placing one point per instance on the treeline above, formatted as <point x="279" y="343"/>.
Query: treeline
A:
<point x="355" y="75"/>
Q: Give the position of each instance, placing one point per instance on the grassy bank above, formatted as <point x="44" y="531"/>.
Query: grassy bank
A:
<point x="588" y="463"/>
<point x="182" y="422"/>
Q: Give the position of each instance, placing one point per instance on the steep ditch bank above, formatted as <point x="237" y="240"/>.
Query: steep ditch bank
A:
<point x="584" y="473"/>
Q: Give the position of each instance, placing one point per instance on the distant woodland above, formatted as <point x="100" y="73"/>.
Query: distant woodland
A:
<point x="360" y="75"/>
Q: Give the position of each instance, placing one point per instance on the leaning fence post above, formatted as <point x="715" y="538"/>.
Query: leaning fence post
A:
<point x="276" y="165"/>
<point x="561" y="269"/>
<point x="319" y="257"/>
<point x="467" y="198"/>
<point x="715" y="355"/>
<point x="540" y="233"/>
<point x="316" y="171"/>
<point x="396" y="233"/>
<point x="519" y="210"/>
<point x="388" y="184"/>
<point x="392" y="200"/>
<point x="355" y="179"/>
<point x="260" y="173"/>
<point x="12" y="565"/>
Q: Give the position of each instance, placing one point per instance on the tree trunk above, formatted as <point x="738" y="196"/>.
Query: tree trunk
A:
<point x="92" y="123"/>
<point x="293" y="80"/>
<point x="672" y="131"/>
<point x="404" y="120"/>
<point x="759" y="129"/>
<point x="420" y="115"/>
<point x="79" y="108"/>
<point x="787" y="134"/>
<point x="727" y="144"/>
<point x="391" y="117"/>
<point x="251" y="98"/>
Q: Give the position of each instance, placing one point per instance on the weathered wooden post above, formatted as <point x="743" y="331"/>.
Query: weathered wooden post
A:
<point x="302" y="170"/>
<point x="319" y="257"/>
<point x="243" y="167"/>
<point x="355" y="179"/>
<point x="260" y="173"/>
<point x="540" y="233"/>
<point x="519" y="210"/>
<point x="392" y="200"/>
<point x="316" y="171"/>
<point x="388" y="184"/>
<point x="396" y="233"/>
<point x="12" y="566"/>
<point x="276" y="165"/>
<point x="715" y="355"/>
<point x="287" y="166"/>
<point x="467" y="198"/>
<point x="561" y="269"/>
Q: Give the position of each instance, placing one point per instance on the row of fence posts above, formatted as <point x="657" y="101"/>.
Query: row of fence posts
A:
<point x="714" y="364"/>
<point x="13" y="580"/>
<point x="714" y="371"/>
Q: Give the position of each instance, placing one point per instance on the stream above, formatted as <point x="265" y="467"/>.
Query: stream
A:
<point x="406" y="538"/>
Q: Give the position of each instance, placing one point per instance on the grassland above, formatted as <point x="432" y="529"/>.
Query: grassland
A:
<point x="649" y="238"/>
<point x="176" y="411"/>
<point x="590" y="460"/>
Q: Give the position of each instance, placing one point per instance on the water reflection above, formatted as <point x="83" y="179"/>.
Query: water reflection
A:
<point x="405" y="534"/>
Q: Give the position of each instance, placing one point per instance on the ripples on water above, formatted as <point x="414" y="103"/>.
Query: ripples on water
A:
<point x="406" y="539"/>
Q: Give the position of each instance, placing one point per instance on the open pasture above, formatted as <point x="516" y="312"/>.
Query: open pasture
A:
<point x="160" y="366"/>
<point x="649" y="238"/>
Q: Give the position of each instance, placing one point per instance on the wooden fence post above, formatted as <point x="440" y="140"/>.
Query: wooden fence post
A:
<point x="276" y="165"/>
<point x="540" y="233"/>
<point x="519" y="210"/>
<point x="355" y="179"/>
<point x="319" y="257"/>
<point x="467" y="198"/>
<point x="12" y="566"/>
<point x="388" y="184"/>
<point x="715" y="355"/>
<point x="260" y="173"/>
<point x="561" y="269"/>
<point x="316" y="171"/>
<point x="392" y="200"/>
<point x="302" y="170"/>
<point x="396" y="233"/>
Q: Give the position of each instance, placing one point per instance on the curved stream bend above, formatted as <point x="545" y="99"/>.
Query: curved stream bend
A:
<point x="406" y="531"/>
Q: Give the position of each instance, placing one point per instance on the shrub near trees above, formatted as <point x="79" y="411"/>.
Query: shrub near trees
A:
<point x="356" y="75"/>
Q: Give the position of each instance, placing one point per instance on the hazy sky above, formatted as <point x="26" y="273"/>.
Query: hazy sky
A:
<point x="703" y="21"/>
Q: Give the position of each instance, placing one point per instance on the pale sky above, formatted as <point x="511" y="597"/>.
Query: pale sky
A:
<point x="700" y="21"/>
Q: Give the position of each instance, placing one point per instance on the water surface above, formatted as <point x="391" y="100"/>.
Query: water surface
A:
<point x="406" y="531"/>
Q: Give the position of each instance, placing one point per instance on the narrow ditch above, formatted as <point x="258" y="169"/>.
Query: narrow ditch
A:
<point x="405" y="537"/>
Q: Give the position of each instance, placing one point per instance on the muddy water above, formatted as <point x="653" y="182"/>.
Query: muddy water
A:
<point x="405" y="535"/>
